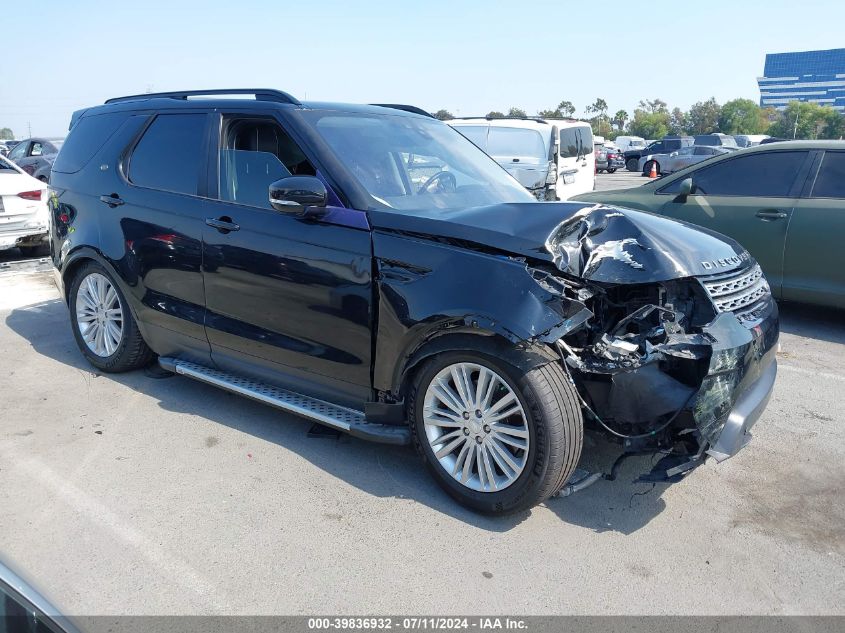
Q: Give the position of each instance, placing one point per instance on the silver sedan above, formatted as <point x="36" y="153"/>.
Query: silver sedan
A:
<point x="684" y="157"/>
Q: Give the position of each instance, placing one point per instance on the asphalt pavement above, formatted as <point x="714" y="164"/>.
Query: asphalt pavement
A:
<point x="136" y="494"/>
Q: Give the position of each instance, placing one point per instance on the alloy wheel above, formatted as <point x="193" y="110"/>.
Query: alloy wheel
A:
<point x="476" y="427"/>
<point x="99" y="316"/>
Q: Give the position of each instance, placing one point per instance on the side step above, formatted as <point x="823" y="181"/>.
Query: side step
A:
<point x="347" y="420"/>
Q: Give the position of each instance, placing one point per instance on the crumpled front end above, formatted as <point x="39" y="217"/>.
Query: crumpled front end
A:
<point x="684" y="366"/>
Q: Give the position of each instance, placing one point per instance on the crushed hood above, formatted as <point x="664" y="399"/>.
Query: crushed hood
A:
<point x="594" y="242"/>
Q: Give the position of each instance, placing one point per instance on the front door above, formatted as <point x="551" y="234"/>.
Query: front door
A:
<point x="814" y="260"/>
<point x="289" y="299"/>
<point x="749" y="198"/>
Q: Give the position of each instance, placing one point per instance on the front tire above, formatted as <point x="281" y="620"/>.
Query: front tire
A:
<point x="611" y="171"/>
<point x="632" y="165"/>
<point x="496" y="439"/>
<point x="103" y="325"/>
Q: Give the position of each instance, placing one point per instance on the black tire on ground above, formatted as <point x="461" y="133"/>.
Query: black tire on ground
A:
<point x="555" y="427"/>
<point x="647" y="167"/>
<point x="35" y="251"/>
<point x="611" y="171"/>
<point x="632" y="164"/>
<point x="132" y="352"/>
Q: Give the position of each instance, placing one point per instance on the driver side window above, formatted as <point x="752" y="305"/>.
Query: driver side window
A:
<point x="254" y="153"/>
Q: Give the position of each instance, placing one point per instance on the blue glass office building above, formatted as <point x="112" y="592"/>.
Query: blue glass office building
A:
<point x="817" y="76"/>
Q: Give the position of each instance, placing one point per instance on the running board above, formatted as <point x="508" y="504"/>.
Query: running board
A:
<point x="347" y="420"/>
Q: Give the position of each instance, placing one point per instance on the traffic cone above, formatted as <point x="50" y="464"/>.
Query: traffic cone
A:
<point x="653" y="172"/>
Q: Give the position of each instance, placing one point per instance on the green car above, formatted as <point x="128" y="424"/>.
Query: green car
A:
<point x="784" y="202"/>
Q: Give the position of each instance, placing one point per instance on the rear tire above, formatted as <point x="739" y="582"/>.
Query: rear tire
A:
<point x="611" y="171"/>
<point x="546" y="413"/>
<point x="103" y="325"/>
<point x="632" y="164"/>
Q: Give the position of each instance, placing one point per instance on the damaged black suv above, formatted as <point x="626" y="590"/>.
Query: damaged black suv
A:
<point x="369" y="268"/>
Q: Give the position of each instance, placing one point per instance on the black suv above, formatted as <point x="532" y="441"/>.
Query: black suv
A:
<point x="369" y="268"/>
<point x="666" y="145"/>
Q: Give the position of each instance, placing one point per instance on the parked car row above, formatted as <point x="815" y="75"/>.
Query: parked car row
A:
<point x="657" y="153"/>
<point x="608" y="157"/>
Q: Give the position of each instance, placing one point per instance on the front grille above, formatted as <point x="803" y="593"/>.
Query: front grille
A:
<point x="738" y="291"/>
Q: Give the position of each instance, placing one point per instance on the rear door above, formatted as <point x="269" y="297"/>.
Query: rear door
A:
<point x="576" y="162"/>
<point x="749" y="198"/>
<point x="814" y="258"/>
<point x="155" y="214"/>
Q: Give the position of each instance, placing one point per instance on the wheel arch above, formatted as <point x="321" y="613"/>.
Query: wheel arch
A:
<point x="77" y="259"/>
<point x="523" y="356"/>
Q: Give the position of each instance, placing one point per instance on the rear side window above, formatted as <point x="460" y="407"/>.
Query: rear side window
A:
<point x="575" y="141"/>
<point x="769" y="175"/>
<point x="85" y="139"/>
<point x="170" y="154"/>
<point x="830" y="183"/>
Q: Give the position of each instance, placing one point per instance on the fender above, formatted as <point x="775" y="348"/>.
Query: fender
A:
<point x="77" y="258"/>
<point x="426" y="290"/>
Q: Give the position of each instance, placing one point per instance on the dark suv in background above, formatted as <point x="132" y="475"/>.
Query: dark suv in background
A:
<point x="666" y="145"/>
<point x="369" y="268"/>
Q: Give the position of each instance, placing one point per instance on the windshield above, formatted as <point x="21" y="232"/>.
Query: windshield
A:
<point x="413" y="163"/>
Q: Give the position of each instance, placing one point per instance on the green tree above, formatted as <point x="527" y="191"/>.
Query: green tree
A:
<point x="517" y="112"/>
<point x="443" y="115"/>
<point x="654" y="106"/>
<point x="619" y="119"/>
<point x="741" y="116"/>
<point x="650" y="123"/>
<point x="6" y="134"/>
<point x="566" y="109"/>
<point x="703" y="117"/>
<point x="598" y="108"/>
<point x="677" y="122"/>
<point x="495" y="114"/>
<point x="807" y="121"/>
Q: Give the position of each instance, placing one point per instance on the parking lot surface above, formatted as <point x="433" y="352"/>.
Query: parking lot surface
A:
<point x="137" y="494"/>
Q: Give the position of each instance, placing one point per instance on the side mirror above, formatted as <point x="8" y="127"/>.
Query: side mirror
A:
<point x="685" y="187"/>
<point x="295" y="194"/>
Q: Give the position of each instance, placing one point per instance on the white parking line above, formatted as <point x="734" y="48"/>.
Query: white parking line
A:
<point x="811" y="372"/>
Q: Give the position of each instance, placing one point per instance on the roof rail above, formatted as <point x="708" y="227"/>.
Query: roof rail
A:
<point x="499" y="118"/>
<point x="404" y="108"/>
<point x="261" y="94"/>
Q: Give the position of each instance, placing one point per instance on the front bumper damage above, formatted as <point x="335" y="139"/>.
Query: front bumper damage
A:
<point x="670" y="366"/>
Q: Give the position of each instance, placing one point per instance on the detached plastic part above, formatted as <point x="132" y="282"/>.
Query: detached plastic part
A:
<point x="579" y="480"/>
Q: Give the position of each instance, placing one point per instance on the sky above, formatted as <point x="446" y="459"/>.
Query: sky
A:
<point x="469" y="57"/>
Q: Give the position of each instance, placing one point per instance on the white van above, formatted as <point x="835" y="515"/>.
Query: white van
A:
<point x="552" y="158"/>
<point x="624" y="143"/>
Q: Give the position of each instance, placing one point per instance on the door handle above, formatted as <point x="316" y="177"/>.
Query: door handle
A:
<point x="771" y="215"/>
<point x="113" y="200"/>
<point x="223" y="224"/>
